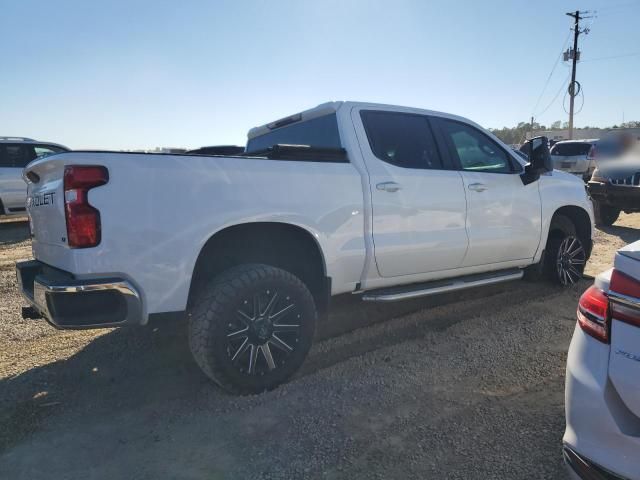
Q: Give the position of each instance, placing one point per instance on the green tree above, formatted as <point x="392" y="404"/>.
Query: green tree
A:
<point x="515" y="135"/>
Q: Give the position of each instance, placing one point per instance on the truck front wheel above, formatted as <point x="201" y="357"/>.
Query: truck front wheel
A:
<point x="251" y="327"/>
<point x="565" y="254"/>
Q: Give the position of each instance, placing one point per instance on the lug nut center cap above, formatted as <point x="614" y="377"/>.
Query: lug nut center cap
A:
<point x="262" y="328"/>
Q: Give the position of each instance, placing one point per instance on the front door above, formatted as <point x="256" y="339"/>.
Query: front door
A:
<point x="503" y="214"/>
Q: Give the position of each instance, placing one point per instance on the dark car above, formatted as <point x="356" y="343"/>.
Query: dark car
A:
<point x="615" y="187"/>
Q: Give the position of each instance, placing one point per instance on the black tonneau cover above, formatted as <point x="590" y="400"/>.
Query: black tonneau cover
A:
<point x="302" y="153"/>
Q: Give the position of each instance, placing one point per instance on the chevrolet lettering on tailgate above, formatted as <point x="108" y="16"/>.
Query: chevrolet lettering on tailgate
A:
<point x="40" y="199"/>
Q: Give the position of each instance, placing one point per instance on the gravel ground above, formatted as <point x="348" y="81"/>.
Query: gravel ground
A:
<point x="465" y="389"/>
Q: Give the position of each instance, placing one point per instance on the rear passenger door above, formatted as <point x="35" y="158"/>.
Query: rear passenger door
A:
<point x="503" y="214"/>
<point x="418" y="202"/>
<point x="13" y="189"/>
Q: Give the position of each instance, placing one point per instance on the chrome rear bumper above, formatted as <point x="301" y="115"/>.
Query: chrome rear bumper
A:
<point x="69" y="303"/>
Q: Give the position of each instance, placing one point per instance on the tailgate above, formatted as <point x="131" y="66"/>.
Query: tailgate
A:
<point x="624" y="362"/>
<point x="45" y="200"/>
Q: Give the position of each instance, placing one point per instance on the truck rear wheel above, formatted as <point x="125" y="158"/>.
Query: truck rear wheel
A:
<point x="605" y="215"/>
<point x="251" y="327"/>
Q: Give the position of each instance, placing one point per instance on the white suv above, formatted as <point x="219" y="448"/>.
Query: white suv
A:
<point x="15" y="154"/>
<point x="577" y="157"/>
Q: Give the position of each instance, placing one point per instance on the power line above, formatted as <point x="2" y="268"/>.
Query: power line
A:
<point x="617" y="6"/>
<point x="634" y="54"/>
<point x="555" y="97"/>
<point x="564" y="44"/>
<point x="581" y="94"/>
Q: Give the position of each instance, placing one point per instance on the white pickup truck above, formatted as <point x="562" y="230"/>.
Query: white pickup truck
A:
<point x="381" y="201"/>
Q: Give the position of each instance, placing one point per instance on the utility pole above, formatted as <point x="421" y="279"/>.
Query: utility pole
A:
<point x="531" y="126"/>
<point x="574" y="55"/>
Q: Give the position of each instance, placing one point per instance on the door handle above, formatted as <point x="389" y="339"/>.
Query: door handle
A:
<point x="477" y="187"/>
<point x="388" y="186"/>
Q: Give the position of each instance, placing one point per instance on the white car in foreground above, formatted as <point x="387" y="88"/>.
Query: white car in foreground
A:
<point x="602" y="396"/>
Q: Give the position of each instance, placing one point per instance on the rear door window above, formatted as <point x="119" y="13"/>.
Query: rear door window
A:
<point x="316" y="132"/>
<point x="571" y="149"/>
<point x="16" y="156"/>
<point x="401" y="139"/>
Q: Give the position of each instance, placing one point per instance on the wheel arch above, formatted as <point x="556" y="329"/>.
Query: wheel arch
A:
<point x="279" y="244"/>
<point x="580" y="219"/>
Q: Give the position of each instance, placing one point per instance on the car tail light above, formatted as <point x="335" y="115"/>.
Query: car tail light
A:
<point x="83" y="220"/>
<point x="625" y="298"/>
<point x="593" y="313"/>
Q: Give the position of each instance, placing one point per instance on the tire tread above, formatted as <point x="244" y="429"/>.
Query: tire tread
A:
<point x="209" y="307"/>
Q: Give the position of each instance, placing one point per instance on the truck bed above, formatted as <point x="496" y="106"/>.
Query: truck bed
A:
<point x="158" y="211"/>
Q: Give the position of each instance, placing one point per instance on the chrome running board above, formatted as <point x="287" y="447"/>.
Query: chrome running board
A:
<point x="417" y="290"/>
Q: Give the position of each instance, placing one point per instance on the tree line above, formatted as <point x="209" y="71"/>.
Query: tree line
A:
<point x="517" y="134"/>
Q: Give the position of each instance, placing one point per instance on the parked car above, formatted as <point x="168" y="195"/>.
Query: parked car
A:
<point x="615" y="187"/>
<point x="217" y="150"/>
<point x="386" y="202"/>
<point x="577" y="157"/>
<point x="602" y="396"/>
<point x="15" y="154"/>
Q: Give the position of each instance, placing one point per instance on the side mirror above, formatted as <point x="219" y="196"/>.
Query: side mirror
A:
<point x="537" y="149"/>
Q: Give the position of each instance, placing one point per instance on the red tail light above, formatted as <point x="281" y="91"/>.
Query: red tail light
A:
<point x="593" y="313"/>
<point x="83" y="220"/>
<point x="625" y="298"/>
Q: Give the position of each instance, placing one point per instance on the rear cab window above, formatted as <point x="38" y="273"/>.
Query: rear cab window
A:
<point x="316" y="132"/>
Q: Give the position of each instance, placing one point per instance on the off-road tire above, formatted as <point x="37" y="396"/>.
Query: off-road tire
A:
<point x="216" y="307"/>
<point x="605" y="215"/>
